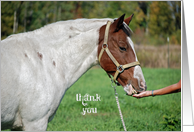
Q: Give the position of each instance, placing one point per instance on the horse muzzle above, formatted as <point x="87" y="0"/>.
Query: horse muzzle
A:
<point x="131" y="90"/>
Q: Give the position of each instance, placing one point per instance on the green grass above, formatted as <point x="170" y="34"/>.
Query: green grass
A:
<point x="159" y="113"/>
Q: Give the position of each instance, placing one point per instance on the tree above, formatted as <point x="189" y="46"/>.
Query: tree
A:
<point x="160" y="17"/>
<point x="10" y="25"/>
<point x="161" y="20"/>
<point x="176" y="10"/>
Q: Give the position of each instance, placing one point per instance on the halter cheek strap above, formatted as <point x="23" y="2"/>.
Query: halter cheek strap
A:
<point x="120" y="68"/>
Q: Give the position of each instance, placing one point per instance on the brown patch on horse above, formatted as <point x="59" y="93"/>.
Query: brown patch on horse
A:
<point x="40" y="55"/>
<point x="25" y="55"/>
<point x="54" y="63"/>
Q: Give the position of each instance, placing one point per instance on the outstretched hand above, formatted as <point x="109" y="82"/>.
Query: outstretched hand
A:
<point x="174" y="88"/>
<point x="143" y="94"/>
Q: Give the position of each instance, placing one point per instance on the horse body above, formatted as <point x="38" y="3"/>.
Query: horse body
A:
<point x="38" y="67"/>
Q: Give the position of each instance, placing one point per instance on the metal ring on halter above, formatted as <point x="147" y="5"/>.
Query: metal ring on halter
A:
<point x="118" y="68"/>
<point x="105" y="47"/>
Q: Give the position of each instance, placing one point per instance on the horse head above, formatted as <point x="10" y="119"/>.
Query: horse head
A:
<point x="117" y="55"/>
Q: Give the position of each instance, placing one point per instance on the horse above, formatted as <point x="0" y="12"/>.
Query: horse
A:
<point x="37" y="67"/>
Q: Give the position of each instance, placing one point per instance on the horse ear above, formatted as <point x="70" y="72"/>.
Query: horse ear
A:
<point x="118" y="23"/>
<point x="128" y="20"/>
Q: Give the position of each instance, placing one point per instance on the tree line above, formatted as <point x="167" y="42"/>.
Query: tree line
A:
<point x="152" y="23"/>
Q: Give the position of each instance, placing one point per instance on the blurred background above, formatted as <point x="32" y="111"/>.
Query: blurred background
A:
<point x="156" y="24"/>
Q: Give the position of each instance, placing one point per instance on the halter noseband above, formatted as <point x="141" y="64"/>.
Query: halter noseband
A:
<point x="120" y="68"/>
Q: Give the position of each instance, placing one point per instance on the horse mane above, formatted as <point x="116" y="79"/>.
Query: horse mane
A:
<point x="77" y="25"/>
<point x="127" y="29"/>
<point x="69" y="28"/>
<point x="64" y="28"/>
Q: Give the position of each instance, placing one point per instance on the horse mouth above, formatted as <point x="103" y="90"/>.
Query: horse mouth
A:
<point x="130" y="90"/>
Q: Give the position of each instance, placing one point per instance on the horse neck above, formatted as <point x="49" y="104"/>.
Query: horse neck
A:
<point x="74" y="46"/>
<point x="78" y="54"/>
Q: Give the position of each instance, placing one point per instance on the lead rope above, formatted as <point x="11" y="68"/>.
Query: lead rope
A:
<point x="117" y="100"/>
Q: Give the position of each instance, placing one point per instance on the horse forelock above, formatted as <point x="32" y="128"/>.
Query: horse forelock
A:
<point x="127" y="29"/>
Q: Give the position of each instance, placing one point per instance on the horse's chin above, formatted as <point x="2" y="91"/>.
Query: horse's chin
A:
<point x="130" y="90"/>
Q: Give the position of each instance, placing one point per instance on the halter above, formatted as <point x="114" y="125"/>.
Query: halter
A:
<point x="120" y="68"/>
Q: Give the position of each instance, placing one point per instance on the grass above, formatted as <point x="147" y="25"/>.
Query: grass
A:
<point x="159" y="113"/>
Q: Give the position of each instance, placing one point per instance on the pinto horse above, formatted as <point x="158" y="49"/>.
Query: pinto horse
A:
<point x="38" y="67"/>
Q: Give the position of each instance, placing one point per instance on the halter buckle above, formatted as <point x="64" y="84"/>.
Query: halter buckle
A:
<point x="120" y="68"/>
<point x="104" y="46"/>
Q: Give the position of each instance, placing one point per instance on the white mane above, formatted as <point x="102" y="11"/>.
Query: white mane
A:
<point x="66" y="29"/>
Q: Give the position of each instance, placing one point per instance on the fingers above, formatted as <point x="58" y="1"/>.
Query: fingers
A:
<point x="137" y="96"/>
<point x="140" y="95"/>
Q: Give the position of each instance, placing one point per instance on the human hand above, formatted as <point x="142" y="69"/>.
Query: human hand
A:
<point x="143" y="94"/>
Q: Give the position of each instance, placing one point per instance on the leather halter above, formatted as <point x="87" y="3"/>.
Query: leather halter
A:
<point x="120" y="68"/>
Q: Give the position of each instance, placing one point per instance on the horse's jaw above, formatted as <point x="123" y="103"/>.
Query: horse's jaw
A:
<point x="129" y="90"/>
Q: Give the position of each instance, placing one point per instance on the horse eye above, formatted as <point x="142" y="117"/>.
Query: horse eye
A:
<point x="122" y="48"/>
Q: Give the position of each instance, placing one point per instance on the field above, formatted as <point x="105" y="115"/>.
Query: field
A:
<point x="157" y="56"/>
<point x="159" y="113"/>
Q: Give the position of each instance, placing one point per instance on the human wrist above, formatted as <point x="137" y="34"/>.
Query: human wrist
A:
<point x="152" y="93"/>
<point x="149" y="93"/>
